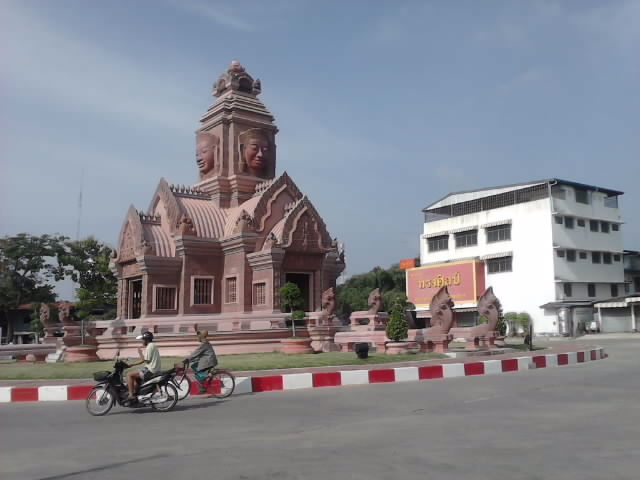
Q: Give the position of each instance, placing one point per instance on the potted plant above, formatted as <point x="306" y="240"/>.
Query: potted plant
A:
<point x="397" y="330"/>
<point x="292" y="298"/>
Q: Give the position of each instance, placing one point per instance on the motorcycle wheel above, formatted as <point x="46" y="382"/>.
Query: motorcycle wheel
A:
<point x="169" y="391"/>
<point x="183" y="387"/>
<point x="99" y="401"/>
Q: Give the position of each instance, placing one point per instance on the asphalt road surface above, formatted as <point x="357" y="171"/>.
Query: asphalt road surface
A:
<point x="573" y="422"/>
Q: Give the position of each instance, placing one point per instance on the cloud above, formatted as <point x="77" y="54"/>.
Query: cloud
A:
<point x="44" y="62"/>
<point x="216" y="12"/>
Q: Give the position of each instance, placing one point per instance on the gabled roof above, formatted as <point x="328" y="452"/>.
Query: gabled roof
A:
<point x="464" y="196"/>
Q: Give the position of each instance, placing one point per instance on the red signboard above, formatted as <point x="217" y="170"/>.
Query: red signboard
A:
<point x="464" y="279"/>
<point x="407" y="263"/>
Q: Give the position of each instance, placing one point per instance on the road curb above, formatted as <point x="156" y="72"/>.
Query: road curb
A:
<point x="295" y="381"/>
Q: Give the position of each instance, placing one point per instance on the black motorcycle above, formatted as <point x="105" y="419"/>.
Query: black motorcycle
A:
<point x="158" y="392"/>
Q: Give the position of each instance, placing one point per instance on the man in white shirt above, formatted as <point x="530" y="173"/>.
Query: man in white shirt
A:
<point x="150" y="357"/>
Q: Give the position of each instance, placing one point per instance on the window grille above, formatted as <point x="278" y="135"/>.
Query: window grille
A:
<point x="165" y="298"/>
<point x="604" y="227"/>
<point x="202" y="291"/>
<point x="438" y="243"/>
<point x="259" y="293"/>
<point x="499" y="265"/>
<point x="560" y="253"/>
<point x="499" y="233"/>
<point x="571" y="255"/>
<point x="466" y="239"/>
<point x="583" y="255"/>
<point x="582" y="196"/>
<point x="615" y="227"/>
<point x="614" y="290"/>
<point x="616" y="258"/>
<point x="230" y="291"/>
<point x="567" y="290"/>
<point x="591" y="289"/>
<point x="595" y="257"/>
<point x="568" y="222"/>
<point x="581" y="222"/>
<point x="611" y="202"/>
<point x="558" y="219"/>
<point x="593" y="225"/>
<point x="606" y="258"/>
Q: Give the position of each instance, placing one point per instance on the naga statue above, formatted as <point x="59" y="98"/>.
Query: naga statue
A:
<point x="375" y="302"/>
<point x="441" y="309"/>
<point x="329" y="302"/>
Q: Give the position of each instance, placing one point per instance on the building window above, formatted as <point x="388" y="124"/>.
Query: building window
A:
<point x="498" y="265"/>
<point x="581" y="222"/>
<point x="591" y="289"/>
<point x="467" y="239"/>
<point x="568" y="222"/>
<point x="567" y="290"/>
<point x="499" y="233"/>
<point x="595" y="257"/>
<point x="583" y="255"/>
<point x="593" y="225"/>
<point x="615" y="227"/>
<point x="636" y="284"/>
<point x="560" y="253"/>
<point x="611" y="202"/>
<point x="606" y="258"/>
<point x="571" y="255"/>
<point x="614" y="290"/>
<point x="259" y="293"/>
<point x="582" y="196"/>
<point x="558" y="219"/>
<point x="558" y="192"/>
<point x="164" y="298"/>
<point x="604" y="227"/>
<point x="438" y="243"/>
<point x="230" y="295"/>
<point x="616" y="258"/>
<point x="202" y="289"/>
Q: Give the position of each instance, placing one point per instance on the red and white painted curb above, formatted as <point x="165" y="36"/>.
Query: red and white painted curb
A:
<point x="295" y="381"/>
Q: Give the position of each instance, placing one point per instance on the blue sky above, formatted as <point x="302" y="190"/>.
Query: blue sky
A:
<point x="383" y="107"/>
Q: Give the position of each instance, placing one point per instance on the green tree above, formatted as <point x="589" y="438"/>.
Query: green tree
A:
<point x="27" y="265"/>
<point x="397" y="328"/>
<point x="86" y="262"/>
<point x="354" y="293"/>
<point x="291" y="297"/>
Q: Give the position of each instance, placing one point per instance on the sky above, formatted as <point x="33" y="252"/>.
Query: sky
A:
<point x="383" y="107"/>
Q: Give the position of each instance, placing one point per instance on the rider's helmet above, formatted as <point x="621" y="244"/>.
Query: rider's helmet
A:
<point x="146" y="336"/>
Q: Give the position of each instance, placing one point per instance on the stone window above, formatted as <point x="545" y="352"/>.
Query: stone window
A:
<point x="259" y="293"/>
<point x="499" y="233"/>
<point x="606" y="258"/>
<point x="591" y="289"/>
<point x="582" y="196"/>
<point x="438" y="243"/>
<point x="231" y="294"/>
<point x="164" y="297"/>
<point x="499" y="265"/>
<point x="202" y="288"/>
<point x="568" y="222"/>
<point x="467" y="239"/>
<point x="614" y="290"/>
<point x="594" y="225"/>
<point x="571" y="255"/>
<point x="595" y="257"/>
<point x="604" y="227"/>
<point x="567" y="290"/>
<point x="581" y="222"/>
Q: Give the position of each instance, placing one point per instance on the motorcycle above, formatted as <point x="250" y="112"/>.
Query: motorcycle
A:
<point x="158" y="392"/>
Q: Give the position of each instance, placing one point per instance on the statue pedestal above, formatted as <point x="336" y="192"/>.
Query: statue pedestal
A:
<point x="377" y="338"/>
<point x="73" y="336"/>
<point x="322" y="339"/>
<point x="430" y="339"/>
<point x="368" y="322"/>
<point x="50" y="331"/>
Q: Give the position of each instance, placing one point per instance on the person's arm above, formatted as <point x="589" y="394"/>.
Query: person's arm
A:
<point x="138" y="362"/>
<point x="198" y="352"/>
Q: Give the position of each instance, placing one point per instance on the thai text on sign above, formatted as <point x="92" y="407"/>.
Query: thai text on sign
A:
<point x="465" y="281"/>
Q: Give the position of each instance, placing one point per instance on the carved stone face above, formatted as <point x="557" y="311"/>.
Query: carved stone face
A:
<point x="444" y="315"/>
<point x="256" y="155"/>
<point x="206" y="155"/>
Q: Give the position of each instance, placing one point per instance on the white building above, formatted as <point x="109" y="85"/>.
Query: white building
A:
<point x="551" y="248"/>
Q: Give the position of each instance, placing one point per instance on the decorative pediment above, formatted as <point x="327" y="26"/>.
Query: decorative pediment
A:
<point x="173" y="212"/>
<point x="269" y="192"/>
<point x="304" y="229"/>
<point x="131" y="236"/>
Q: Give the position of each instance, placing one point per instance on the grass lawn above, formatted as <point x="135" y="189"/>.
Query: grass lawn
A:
<point x="251" y="361"/>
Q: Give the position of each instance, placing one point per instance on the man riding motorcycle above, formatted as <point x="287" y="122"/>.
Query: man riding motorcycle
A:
<point x="205" y="356"/>
<point x="151" y="359"/>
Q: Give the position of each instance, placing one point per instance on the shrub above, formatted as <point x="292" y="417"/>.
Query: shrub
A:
<point x="397" y="328"/>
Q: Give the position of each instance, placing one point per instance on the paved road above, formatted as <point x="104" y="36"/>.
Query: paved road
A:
<point x="575" y="422"/>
